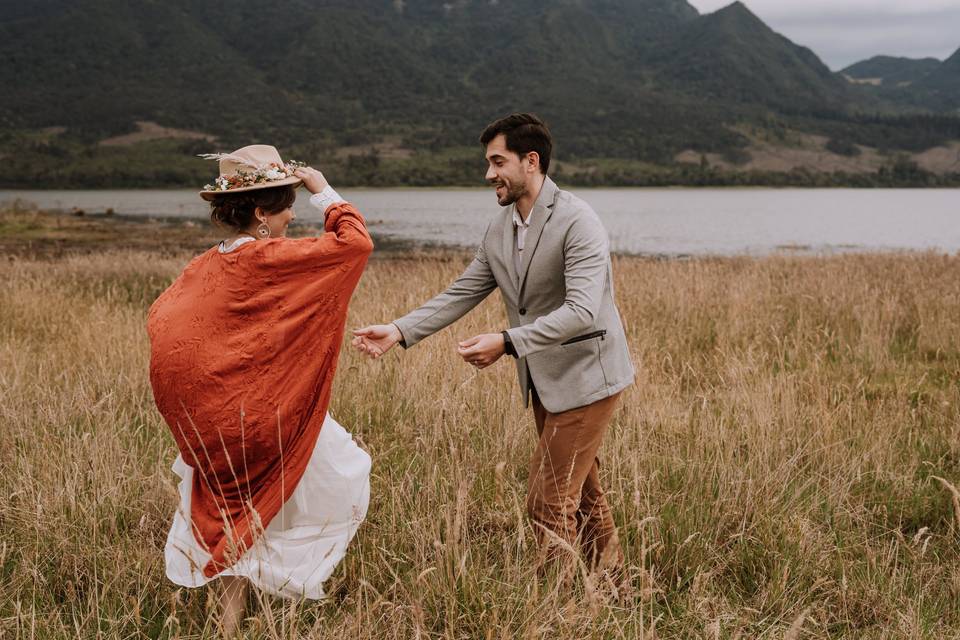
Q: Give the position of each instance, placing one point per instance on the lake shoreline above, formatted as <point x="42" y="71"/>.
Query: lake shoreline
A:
<point x="29" y="232"/>
<point x="46" y="234"/>
<point x="644" y="222"/>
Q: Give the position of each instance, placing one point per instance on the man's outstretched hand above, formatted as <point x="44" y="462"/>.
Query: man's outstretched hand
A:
<point x="480" y="351"/>
<point x="376" y="339"/>
<point x="483" y="350"/>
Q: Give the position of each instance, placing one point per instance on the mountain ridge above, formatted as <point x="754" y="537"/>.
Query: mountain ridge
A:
<point x="637" y="81"/>
<point x="925" y="83"/>
<point x="890" y="70"/>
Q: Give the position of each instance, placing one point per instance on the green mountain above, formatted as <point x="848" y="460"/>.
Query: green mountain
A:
<point x="731" y="55"/>
<point x="398" y="90"/>
<point x="942" y="84"/>
<point x="924" y="84"/>
<point x="890" y="71"/>
<point x="98" y="67"/>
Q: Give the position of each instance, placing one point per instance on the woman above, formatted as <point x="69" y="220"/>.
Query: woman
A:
<point x="244" y="346"/>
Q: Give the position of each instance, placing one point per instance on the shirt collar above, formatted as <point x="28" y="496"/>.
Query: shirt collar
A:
<point x="227" y="247"/>
<point x="518" y="221"/>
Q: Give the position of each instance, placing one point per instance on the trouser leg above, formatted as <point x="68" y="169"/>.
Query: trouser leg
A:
<point x="598" y="533"/>
<point x="564" y="497"/>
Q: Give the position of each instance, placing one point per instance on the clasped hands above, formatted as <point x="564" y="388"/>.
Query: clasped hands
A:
<point x="481" y="351"/>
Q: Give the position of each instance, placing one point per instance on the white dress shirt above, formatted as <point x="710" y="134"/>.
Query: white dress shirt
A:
<point x="521" y="227"/>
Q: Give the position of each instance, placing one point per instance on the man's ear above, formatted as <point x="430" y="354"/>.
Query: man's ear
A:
<point x="534" y="158"/>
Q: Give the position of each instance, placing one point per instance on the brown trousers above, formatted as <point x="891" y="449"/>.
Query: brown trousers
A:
<point x="564" y="497"/>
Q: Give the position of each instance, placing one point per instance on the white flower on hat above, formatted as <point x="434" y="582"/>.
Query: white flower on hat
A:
<point x="275" y="174"/>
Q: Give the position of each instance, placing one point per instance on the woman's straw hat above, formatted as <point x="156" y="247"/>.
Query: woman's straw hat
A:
<point x="257" y="166"/>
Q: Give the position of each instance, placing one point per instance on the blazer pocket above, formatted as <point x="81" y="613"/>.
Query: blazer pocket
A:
<point x="587" y="336"/>
<point x="577" y="367"/>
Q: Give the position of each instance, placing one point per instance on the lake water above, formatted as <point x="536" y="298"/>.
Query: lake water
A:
<point x="669" y="222"/>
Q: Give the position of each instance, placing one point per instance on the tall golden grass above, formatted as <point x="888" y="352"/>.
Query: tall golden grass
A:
<point x="782" y="468"/>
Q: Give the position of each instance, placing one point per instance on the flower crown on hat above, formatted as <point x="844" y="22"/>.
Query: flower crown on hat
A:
<point x="261" y="174"/>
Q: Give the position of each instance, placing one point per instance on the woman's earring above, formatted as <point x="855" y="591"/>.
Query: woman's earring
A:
<point x="263" y="230"/>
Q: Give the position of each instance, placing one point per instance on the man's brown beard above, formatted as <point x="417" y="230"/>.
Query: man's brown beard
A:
<point x="514" y="193"/>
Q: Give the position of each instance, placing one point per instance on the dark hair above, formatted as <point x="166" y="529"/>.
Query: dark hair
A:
<point x="235" y="210"/>
<point x="524" y="132"/>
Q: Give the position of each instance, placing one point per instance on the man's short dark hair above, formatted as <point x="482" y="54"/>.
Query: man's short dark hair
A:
<point x="524" y="132"/>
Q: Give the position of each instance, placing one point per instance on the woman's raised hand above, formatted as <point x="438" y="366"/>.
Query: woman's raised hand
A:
<point x="313" y="180"/>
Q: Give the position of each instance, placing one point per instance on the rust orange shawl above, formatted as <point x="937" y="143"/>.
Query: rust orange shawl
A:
<point x="243" y="349"/>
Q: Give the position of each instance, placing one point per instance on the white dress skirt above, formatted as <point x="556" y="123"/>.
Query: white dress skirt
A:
<point x="305" y="542"/>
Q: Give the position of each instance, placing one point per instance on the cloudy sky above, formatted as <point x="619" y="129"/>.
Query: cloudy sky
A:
<point x="842" y="32"/>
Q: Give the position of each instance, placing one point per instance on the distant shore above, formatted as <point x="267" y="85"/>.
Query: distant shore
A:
<point x="905" y="175"/>
<point x="36" y="233"/>
<point x="147" y="167"/>
<point x="654" y="223"/>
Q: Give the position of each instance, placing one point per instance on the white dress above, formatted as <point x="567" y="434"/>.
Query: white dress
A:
<point x="305" y="542"/>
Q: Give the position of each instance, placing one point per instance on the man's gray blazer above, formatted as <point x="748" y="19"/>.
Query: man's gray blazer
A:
<point x="564" y="323"/>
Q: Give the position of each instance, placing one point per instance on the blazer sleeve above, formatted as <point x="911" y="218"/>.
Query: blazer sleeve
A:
<point x="466" y="292"/>
<point x="585" y="272"/>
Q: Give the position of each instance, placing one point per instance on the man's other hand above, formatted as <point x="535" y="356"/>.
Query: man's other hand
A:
<point x="483" y="350"/>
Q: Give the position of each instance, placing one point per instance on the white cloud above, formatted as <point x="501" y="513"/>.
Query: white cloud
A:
<point x="843" y="33"/>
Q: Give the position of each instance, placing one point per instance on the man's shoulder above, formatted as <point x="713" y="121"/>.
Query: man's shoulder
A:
<point x="567" y="205"/>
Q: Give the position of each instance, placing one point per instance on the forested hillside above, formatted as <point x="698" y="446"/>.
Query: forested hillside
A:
<point x="395" y="91"/>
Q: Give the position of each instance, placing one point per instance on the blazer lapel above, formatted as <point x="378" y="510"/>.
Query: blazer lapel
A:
<point x="542" y="210"/>
<point x="509" y="246"/>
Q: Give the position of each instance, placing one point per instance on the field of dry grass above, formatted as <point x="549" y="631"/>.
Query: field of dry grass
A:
<point x="775" y="472"/>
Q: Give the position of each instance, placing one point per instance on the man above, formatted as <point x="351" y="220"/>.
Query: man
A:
<point x="549" y="254"/>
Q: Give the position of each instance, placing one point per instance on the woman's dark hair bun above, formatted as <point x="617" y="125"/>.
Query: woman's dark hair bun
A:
<point x="235" y="211"/>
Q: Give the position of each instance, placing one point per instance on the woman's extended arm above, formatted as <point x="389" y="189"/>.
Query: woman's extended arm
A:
<point x="345" y="246"/>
